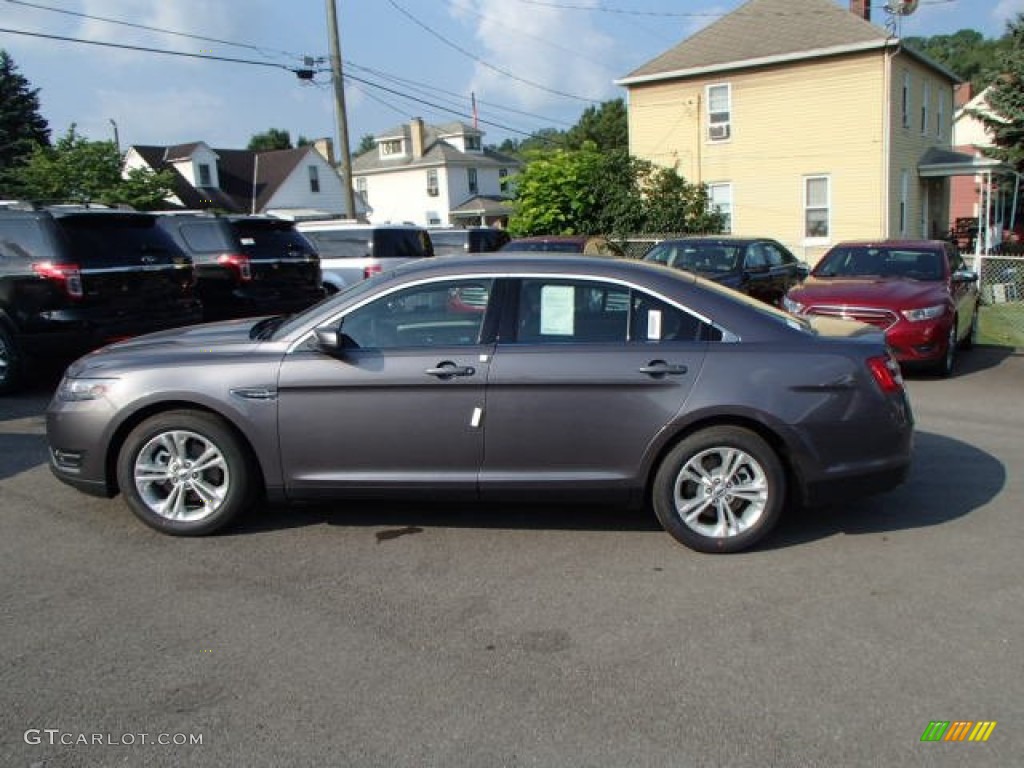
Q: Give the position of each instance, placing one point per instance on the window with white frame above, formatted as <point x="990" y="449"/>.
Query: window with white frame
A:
<point x="361" y="188"/>
<point x="205" y="176"/>
<point x="817" y="207"/>
<point x="940" y="115"/>
<point x="474" y="187"/>
<point x="926" y="98"/>
<point x="719" y="100"/>
<point x="473" y="144"/>
<point x="720" y="201"/>
<point x="503" y="179"/>
<point x="432" y="188"/>
<point x="904" y="193"/>
<point x="390" y="147"/>
<point x="905" y="103"/>
<point x="314" y="179"/>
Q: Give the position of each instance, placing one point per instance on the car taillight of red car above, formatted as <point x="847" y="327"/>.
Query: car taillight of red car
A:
<point x="67" y="276"/>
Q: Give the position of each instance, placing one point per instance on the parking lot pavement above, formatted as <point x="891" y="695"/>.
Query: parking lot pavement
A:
<point x="363" y="634"/>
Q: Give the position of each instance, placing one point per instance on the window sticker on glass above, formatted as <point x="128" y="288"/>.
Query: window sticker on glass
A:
<point x="654" y="325"/>
<point x="248" y="241"/>
<point x="556" y="310"/>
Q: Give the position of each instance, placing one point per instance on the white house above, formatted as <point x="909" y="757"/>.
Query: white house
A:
<point x="434" y="176"/>
<point x="292" y="183"/>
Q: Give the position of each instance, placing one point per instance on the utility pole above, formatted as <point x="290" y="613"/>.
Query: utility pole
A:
<point x="339" y="105"/>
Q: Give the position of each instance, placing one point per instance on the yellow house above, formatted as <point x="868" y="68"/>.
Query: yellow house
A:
<point x="807" y="122"/>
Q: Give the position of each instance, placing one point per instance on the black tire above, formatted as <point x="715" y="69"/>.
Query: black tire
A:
<point x="722" y="521"/>
<point x="972" y="335"/>
<point x="168" y="444"/>
<point x="12" y="366"/>
<point x="944" y="367"/>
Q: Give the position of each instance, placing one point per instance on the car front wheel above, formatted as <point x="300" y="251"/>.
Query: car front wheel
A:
<point x="719" y="490"/>
<point x="10" y="363"/>
<point x="185" y="473"/>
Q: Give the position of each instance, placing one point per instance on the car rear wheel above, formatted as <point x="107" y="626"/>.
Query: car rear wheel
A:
<point x="185" y="473"/>
<point x="11" y="366"/>
<point x="719" y="490"/>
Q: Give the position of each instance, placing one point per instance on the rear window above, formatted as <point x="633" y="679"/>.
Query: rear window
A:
<point x="269" y="239"/>
<point x="206" y="237"/>
<point x="114" y="238"/>
<point x="378" y="243"/>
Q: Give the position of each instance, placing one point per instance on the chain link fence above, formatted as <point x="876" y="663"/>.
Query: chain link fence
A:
<point x="1001" y="285"/>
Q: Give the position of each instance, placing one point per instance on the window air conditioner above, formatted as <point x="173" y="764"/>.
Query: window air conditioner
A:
<point x="718" y="132"/>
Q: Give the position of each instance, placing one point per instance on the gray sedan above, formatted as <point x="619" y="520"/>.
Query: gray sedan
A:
<point x="493" y="378"/>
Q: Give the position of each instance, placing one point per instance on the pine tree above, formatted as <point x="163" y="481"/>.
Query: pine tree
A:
<point x="1005" y="114"/>
<point x="22" y="128"/>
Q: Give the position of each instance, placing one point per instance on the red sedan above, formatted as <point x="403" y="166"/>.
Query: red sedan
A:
<point x="918" y="291"/>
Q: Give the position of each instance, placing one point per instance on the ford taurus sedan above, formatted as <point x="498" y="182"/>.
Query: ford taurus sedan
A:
<point x="500" y="377"/>
<point x="918" y="291"/>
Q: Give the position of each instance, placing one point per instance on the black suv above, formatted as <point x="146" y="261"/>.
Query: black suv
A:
<point x="449" y="242"/>
<point x="247" y="265"/>
<point x="73" y="279"/>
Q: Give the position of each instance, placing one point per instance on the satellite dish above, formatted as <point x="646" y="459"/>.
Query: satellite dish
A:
<point x="902" y="7"/>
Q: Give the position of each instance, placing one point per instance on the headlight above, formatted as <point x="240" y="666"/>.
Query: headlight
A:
<point x="84" y="389"/>
<point x="924" y="313"/>
<point x="792" y="306"/>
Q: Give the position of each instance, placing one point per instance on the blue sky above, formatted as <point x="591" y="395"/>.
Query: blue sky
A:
<point x="531" y="63"/>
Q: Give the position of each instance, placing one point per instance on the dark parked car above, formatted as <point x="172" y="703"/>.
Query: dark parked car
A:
<point x="599" y="379"/>
<point x="918" y="291"/>
<point x="247" y="265"/>
<point x="590" y="245"/>
<point x="350" y="253"/>
<point x="449" y="242"/>
<point x="758" y="266"/>
<point x="75" y="278"/>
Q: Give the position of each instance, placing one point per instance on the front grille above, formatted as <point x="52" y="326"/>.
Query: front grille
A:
<point x="880" y="318"/>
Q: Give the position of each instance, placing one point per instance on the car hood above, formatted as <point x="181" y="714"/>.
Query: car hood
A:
<point x="176" y="346"/>
<point x="886" y="292"/>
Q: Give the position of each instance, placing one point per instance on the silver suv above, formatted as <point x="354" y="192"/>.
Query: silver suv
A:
<point x="350" y="253"/>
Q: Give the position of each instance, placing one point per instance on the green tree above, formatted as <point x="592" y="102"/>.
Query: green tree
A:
<point x="590" y="191"/>
<point x="1005" y="117"/>
<point x="967" y="53"/>
<point x="21" y="125"/>
<point x="78" y="170"/>
<point x="607" y="126"/>
<point x="273" y="138"/>
<point x="366" y="143"/>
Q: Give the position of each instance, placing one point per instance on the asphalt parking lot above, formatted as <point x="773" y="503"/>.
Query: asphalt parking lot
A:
<point x="431" y="635"/>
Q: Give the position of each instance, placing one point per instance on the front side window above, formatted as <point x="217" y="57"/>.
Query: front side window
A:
<point x="720" y="200"/>
<point x="560" y="311"/>
<point x="719" y="98"/>
<point x="817" y="207"/>
<point x="444" y="314"/>
<point x="472" y="179"/>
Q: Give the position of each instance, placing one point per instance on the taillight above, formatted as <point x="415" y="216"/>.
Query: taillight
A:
<point x="67" y="275"/>
<point x="239" y="263"/>
<point x="886" y="372"/>
<point x="373" y="269"/>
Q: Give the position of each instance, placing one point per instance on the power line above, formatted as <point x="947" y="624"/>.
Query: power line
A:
<point x="144" y="49"/>
<point x="258" y="49"/>
<point x="474" y="57"/>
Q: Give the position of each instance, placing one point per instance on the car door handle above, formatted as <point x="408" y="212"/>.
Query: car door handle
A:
<point x="661" y="368"/>
<point x="448" y="370"/>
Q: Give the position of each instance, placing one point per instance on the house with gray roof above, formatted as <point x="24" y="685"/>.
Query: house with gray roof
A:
<point x="434" y="175"/>
<point x="807" y="121"/>
<point x="293" y="183"/>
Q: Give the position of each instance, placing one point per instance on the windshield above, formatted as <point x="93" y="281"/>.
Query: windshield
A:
<point x="873" y="261"/>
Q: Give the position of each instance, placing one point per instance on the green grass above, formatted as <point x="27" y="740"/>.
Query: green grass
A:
<point x="1002" y="325"/>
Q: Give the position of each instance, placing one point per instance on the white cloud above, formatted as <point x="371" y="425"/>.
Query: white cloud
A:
<point x="1007" y="10"/>
<point x="557" y="48"/>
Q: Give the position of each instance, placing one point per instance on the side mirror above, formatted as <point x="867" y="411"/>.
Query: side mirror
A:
<point x="331" y="340"/>
<point x="803" y="269"/>
<point x="965" y="276"/>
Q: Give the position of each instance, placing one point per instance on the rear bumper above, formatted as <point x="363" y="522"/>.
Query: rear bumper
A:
<point x="860" y="482"/>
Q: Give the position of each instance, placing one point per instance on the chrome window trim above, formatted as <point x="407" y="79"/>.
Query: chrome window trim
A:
<point x="305" y="336"/>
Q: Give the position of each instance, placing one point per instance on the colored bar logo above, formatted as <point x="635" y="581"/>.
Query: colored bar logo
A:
<point x="958" y="730"/>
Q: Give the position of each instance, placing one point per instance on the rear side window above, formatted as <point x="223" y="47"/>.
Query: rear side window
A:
<point x="22" y="241"/>
<point x="339" y="244"/>
<point x="115" y="239"/>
